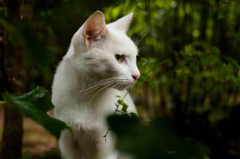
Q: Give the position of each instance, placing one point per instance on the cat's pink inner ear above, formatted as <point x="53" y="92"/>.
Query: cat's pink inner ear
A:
<point x="95" y="27"/>
<point x="123" y="23"/>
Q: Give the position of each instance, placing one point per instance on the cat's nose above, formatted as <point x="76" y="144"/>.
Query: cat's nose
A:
<point x="135" y="77"/>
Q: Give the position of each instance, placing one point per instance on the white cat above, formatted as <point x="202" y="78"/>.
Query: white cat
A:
<point x="100" y="64"/>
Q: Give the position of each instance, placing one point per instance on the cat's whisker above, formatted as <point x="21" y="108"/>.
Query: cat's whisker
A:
<point x="97" y="84"/>
<point x="130" y="88"/>
<point x="120" y="85"/>
<point x="103" y="80"/>
<point x="96" y="87"/>
<point x="143" y="48"/>
<point x="106" y="79"/>
<point x="143" y="34"/>
<point x="93" y="79"/>
<point x="140" y="36"/>
<point x="116" y="85"/>
<point x="85" y="92"/>
<point x="111" y="81"/>
<point x="100" y="91"/>
<point x="140" y="40"/>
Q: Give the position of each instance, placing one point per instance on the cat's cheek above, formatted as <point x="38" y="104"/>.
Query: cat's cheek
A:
<point x="123" y="66"/>
<point x="124" y="69"/>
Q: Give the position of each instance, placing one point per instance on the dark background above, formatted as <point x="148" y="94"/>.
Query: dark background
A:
<point x="189" y="54"/>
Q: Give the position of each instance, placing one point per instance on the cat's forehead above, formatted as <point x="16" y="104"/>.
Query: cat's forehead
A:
<point x="122" y="43"/>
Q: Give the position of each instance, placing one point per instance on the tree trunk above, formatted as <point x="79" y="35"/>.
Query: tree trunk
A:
<point x="12" y="133"/>
<point x="15" y="79"/>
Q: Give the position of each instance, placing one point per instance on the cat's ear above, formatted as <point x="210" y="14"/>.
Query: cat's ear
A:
<point x="123" y="23"/>
<point x="95" y="28"/>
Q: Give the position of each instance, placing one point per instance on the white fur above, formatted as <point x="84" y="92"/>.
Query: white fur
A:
<point x="81" y="93"/>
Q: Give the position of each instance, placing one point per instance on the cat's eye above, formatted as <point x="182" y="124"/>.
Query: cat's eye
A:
<point x="119" y="58"/>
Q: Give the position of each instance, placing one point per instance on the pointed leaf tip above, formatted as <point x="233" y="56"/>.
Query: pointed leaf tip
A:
<point x="35" y="105"/>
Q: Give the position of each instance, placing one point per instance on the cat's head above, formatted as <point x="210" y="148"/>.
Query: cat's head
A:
<point x="105" y="52"/>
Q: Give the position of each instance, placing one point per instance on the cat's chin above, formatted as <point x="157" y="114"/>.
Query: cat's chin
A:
<point x="123" y="87"/>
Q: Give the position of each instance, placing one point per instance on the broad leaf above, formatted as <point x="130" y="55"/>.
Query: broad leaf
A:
<point x="153" y="140"/>
<point x="39" y="97"/>
<point x="35" y="105"/>
<point x="153" y="84"/>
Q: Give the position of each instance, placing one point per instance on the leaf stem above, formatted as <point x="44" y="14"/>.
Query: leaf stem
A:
<point x="106" y="134"/>
<point x="117" y="105"/>
<point x="126" y="94"/>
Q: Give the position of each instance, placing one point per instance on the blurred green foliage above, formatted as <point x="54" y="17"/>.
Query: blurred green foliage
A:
<point x="152" y="140"/>
<point x="149" y="140"/>
<point x="189" y="55"/>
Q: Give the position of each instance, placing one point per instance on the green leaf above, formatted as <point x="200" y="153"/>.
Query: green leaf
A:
<point x="223" y="74"/>
<point x="34" y="105"/>
<point x="124" y="105"/>
<point x="216" y="50"/>
<point x="238" y="81"/>
<point x="153" y="84"/>
<point x="228" y="67"/>
<point x="180" y="64"/>
<point x="120" y="102"/>
<point x="220" y="16"/>
<point x="3" y="12"/>
<point x="209" y="59"/>
<point x="124" y="108"/>
<point x="13" y="33"/>
<point x="39" y="97"/>
<point x="137" y="91"/>
<point x="231" y="60"/>
<point x="152" y="60"/>
<point x="194" y="67"/>
<point x="133" y="115"/>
